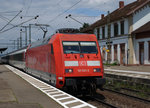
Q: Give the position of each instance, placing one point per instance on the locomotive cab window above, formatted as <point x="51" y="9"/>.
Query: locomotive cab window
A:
<point x="79" y="47"/>
<point x="88" y="47"/>
<point x="71" y="47"/>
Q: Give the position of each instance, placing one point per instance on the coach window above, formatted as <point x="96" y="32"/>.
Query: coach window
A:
<point x="52" y="52"/>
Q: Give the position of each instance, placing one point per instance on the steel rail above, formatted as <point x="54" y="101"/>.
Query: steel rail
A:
<point x="136" y="91"/>
<point x="134" y="97"/>
<point x="103" y="102"/>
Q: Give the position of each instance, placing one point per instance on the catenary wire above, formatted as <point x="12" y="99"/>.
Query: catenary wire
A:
<point x="64" y="12"/>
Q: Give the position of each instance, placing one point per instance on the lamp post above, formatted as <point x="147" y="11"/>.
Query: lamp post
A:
<point x="108" y="40"/>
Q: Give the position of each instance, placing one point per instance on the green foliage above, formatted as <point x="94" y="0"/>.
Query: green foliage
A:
<point x="85" y="25"/>
<point x="118" y="84"/>
<point x="111" y="64"/>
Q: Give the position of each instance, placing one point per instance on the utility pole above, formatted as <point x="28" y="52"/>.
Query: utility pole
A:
<point x="17" y="43"/>
<point x="108" y="39"/>
<point x="20" y="38"/>
<point x="26" y="36"/>
<point x="30" y="33"/>
<point x="14" y="43"/>
<point x="25" y="27"/>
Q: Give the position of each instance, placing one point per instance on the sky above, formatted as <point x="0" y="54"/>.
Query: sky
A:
<point x="52" y="13"/>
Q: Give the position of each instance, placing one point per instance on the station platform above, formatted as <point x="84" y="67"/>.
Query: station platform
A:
<point x="20" y="90"/>
<point x="130" y="68"/>
<point x="131" y="71"/>
<point x="17" y="93"/>
<point x="132" y="74"/>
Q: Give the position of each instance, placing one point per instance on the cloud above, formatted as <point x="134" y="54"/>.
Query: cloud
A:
<point x="48" y="10"/>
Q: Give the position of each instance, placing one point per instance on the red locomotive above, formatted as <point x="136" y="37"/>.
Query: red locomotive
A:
<point x="67" y="60"/>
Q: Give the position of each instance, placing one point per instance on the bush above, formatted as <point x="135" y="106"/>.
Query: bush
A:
<point x="111" y="64"/>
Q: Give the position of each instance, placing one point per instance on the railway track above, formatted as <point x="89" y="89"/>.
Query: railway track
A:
<point x="135" y="91"/>
<point x="131" y="96"/>
<point x="128" y="89"/>
<point x="103" y="102"/>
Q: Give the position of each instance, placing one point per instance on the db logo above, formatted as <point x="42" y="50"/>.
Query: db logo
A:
<point x="82" y="63"/>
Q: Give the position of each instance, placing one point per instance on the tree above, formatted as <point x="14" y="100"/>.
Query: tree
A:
<point x="85" y="25"/>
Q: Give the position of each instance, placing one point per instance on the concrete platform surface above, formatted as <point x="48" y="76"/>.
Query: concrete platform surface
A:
<point x="17" y="93"/>
<point x="142" y="72"/>
<point x="130" y="68"/>
<point x="64" y="99"/>
<point x="137" y="75"/>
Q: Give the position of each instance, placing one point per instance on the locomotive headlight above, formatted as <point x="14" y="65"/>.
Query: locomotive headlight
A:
<point x="96" y="70"/>
<point x="68" y="70"/>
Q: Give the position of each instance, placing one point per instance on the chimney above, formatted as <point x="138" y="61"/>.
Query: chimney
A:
<point x="121" y="4"/>
<point x="102" y="16"/>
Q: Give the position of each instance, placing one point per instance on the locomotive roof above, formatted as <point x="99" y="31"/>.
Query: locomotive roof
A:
<point x="46" y="40"/>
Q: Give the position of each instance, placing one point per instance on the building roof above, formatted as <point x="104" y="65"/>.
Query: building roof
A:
<point x="144" y="28"/>
<point x="119" y="14"/>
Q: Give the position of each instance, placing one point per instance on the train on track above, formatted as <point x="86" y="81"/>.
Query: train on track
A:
<point x="66" y="60"/>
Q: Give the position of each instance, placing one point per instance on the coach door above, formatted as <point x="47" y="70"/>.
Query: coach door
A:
<point x="141" y="53"/>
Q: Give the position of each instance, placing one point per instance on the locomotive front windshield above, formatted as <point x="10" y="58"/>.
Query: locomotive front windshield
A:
<point x="79" y="47"/>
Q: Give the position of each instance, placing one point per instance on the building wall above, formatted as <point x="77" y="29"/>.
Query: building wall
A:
<point x="126" y="28"/>
<point x="141" y="17"/>
<point x="146" y="50"/>
<point x="115" y="41"/>
<point x="133" y="22"/>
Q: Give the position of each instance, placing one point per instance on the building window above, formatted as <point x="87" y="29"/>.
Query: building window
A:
<point x="109" y="31"/>
<point x="122" y="27"/>
<point x="103" y="32"/>
<point x="149" y="49"/>
<point x="115" y="29"/>
<point x="98" y="33"/>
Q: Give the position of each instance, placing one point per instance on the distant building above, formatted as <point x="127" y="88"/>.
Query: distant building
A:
<point x="125" y="33"/>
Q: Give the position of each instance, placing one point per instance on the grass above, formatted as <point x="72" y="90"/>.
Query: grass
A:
<point x="117" y="85"/>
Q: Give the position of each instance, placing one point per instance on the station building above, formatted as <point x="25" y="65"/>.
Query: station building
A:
<point x="124" y="34"/>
